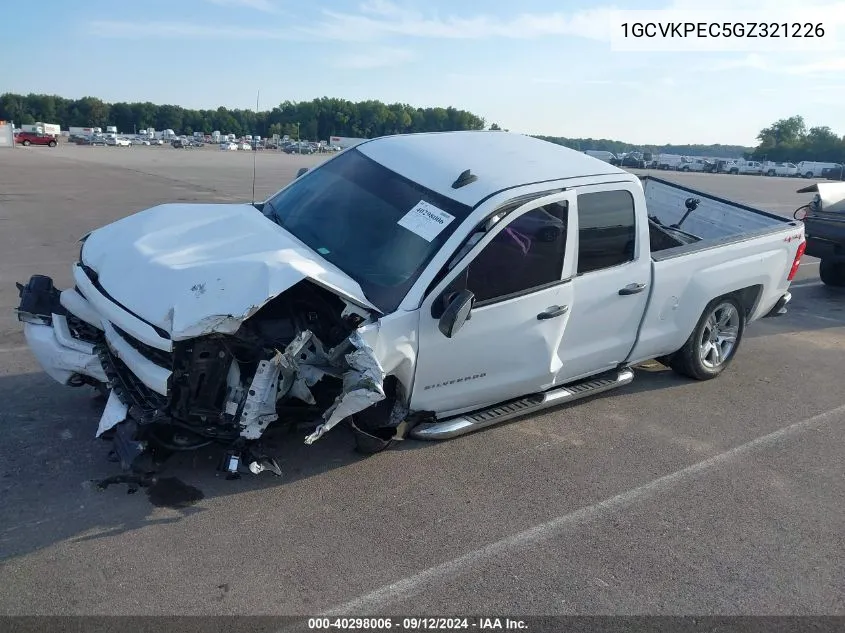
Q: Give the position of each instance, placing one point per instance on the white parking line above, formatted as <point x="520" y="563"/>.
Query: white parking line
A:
<point x="412" y="585"/>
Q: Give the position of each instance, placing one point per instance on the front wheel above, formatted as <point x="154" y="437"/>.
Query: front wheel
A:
<point x="734" y="171"/>
<point x="26" y="143"/>
<point x="713" y="343"/>
<point x="771" y="172"/>
<point x="52" y="143"/>
<point x="808" y="175"/>
<point x="832" y="273"/>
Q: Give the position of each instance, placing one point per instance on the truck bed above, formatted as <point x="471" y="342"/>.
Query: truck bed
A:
<point x="723" y="248"/>
<point x="715" y="222"/>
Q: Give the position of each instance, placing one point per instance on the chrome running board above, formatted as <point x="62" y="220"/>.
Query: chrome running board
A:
<point x="470" y="422"/>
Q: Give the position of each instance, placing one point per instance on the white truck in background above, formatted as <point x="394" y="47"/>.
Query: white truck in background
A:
<point x="788" y="170"/>
<point x="813" y="169"/>
<point x="746" y="167"/>
<point x="693" y="164"/>
<point x="668" y="162"/>
<point x="462" y="279"/>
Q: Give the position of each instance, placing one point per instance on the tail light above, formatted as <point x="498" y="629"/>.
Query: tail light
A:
<point x="797" y="262"/>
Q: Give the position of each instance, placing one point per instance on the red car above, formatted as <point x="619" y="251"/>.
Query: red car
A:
<point x="33" y="138"/>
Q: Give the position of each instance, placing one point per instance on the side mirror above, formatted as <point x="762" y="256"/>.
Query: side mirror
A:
<point x="456" y="313"/>
<point x="301" y="171"/>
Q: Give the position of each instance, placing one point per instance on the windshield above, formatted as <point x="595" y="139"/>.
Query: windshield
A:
<point x="379" y="228"/>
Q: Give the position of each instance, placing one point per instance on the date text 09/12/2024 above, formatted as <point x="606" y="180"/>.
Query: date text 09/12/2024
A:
<point x="416" y="624"/>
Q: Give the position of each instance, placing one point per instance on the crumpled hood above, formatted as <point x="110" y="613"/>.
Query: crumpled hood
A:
<point x="192" y="269"/>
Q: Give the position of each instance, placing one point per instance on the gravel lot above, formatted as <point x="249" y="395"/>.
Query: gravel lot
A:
<point x="666" y="496"/>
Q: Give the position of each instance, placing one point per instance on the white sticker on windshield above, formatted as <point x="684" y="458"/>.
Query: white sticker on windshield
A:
<point x="426" y="220"/>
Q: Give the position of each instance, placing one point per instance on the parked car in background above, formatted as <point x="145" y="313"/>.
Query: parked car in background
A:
<point x="35" y="138"/>
<point x="834" y="173"/>
<point x="813" y="169"/>
<point x="233" y="147"/>
<point x="694" y="164"/>
<point x="118" y="141"/>
<point x="780" y="169"/>
<point x="747" y="167"/>
<point x="668" y="161"/>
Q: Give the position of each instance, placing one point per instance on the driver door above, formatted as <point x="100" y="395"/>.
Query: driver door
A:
<point x="520" y="273"/>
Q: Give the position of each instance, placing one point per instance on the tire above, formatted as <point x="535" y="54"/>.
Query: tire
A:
<point x="735" y="172"/>
<point x="685" y="169"/>
<point x="808" y="175"/>
<point x="832" y="273"/>
<point x="771" y="172"/>
<point x="26" y="143"/>
<point x="697" y="359"/>
<point x="52" y="143"/>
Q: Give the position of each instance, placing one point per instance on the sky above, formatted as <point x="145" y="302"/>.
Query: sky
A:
<point x="536" y="66"/>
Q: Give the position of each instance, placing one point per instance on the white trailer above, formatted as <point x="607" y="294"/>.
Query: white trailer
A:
<point x="52" y="129"/>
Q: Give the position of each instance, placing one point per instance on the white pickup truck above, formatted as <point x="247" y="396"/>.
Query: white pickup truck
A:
<point x="752" y="167"/>
<point x="423" y="286"/>
<point x="780" y="169"/>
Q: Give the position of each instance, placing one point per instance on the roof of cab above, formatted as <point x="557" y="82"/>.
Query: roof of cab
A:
<point x="500" y="160"/>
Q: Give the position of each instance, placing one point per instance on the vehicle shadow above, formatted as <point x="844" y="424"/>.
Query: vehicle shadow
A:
<point x="813" y="307"/>
<point x="51" y="465"/>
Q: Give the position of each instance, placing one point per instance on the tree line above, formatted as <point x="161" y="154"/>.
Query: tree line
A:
<point x="316" y="119"/>
<point x="619" y="147"/>
<point x="789" y="140"/>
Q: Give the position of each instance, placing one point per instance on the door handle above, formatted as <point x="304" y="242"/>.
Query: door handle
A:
<point x="632" y="289"/>
<point x="552" y="311"/>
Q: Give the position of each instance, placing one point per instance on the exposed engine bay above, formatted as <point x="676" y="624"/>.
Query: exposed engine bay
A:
<point x="298" y="360"/>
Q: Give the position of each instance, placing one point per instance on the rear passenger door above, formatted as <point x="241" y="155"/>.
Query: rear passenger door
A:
<point x="611" y="286"/>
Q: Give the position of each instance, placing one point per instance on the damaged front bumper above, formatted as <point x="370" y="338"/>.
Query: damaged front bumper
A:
<point x="187" y="394"/>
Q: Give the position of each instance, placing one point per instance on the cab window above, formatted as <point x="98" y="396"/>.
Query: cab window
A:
<point x="524" y="256"/>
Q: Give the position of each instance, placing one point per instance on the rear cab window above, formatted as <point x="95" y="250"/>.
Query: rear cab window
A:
<point x="607" y="231"/>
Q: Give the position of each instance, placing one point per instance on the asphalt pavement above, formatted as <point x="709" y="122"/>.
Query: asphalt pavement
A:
<point x="667" y="496"/>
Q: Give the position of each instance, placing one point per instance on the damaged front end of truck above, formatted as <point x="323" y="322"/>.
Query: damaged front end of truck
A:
<point x="301" y="359"/>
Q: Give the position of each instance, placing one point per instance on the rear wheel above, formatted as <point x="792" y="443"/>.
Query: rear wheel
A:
<point x="734" y="171"/>
<point x="52" y="143"/>
<point x="713" y="343"/>
<point x="809" y="174"/>
<point x="26" y="143"/>
<point x="832" y="273"/>
<point x="771" y="172"/>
